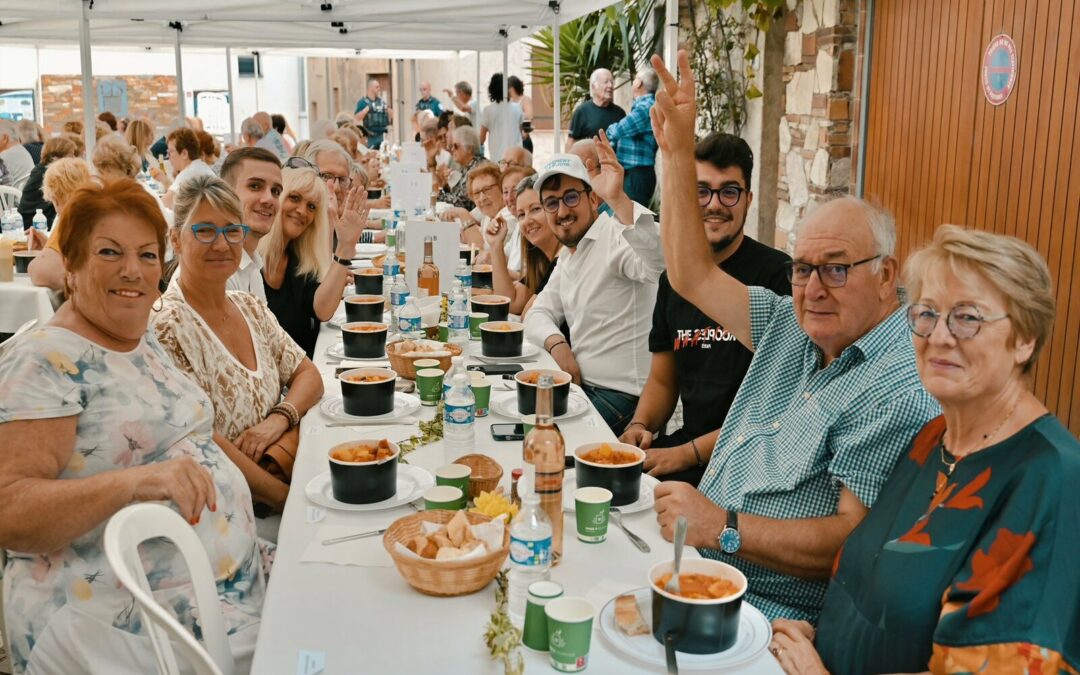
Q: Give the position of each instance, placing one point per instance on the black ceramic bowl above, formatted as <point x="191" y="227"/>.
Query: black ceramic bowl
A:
<point x="697" y="626"/>
<point x="526" y="391"/>
<point x="364" y="307"/>
<point x="365" y="399"/>
<point x="496" y="306"/>
<point x="624" y="480"/>
<point x="481" y="277"/>
<point x="368" y="281"/>
<point x="364" y="339"/>
<point x="501" y="338"/>
<point x="363" y="482"/>
<point x="22" y="260"/>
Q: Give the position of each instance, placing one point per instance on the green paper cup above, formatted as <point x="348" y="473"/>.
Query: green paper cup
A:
<point x="429" y="382"/>
<point x="592" y="506"/>
<point x="444" y="332"/>
<point x="569" y="623"/>
<point x="535" y="633"/>
<point x="475" y="319"/>
<point x="528" y="422"/>
<point x="481" y="389"/>
<point x="444" y="498"/>
<point x="420" y="364"/>
<point x="454" y="475"/>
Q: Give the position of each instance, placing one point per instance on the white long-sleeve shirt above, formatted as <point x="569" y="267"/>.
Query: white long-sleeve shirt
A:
<point x="605" y="291"/>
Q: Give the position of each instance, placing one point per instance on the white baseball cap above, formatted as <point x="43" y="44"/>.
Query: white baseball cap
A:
<point x="566" y="165"/>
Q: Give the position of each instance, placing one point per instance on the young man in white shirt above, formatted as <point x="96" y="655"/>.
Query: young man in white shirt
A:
<point x="604" y="285"/>
<point x="185" y="156"/>
<point x="255" y="175"/>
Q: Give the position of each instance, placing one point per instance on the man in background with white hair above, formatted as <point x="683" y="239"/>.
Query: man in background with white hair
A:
<point x="15" y="158"/>
<point x="251" y="132"/>
<point x="597" y="113"/>
<point x="32" y="140"/>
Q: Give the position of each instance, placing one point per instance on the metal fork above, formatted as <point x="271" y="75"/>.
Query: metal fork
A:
<point x="616" y="517"/>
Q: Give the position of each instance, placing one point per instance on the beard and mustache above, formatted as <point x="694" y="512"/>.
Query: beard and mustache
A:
<point x="724" y="218"/>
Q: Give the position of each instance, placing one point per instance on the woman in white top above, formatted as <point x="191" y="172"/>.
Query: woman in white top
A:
<point x="500" y="124"/>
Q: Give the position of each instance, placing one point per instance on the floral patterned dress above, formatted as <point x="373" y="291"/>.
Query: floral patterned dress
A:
<point x="66" y="612"/>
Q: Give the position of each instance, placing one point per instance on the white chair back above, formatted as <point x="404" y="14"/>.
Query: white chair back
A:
<point x="9" y="197"/>
<point x="132" y="526"/>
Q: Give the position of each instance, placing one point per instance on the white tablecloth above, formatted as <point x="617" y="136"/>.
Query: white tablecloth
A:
<point x="369" y="620"/>
<point x="21" y="301"/>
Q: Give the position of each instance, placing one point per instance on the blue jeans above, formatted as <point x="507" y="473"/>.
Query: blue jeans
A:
<point x="615" y="407"/>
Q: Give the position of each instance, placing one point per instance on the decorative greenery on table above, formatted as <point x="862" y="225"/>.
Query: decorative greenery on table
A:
<point x="430" y="432"/>
<point x="501" y="637"/>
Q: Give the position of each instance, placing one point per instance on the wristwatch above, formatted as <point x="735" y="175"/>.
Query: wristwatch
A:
<point x="730" y="541"/>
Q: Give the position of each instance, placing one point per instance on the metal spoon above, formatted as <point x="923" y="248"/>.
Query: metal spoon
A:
<point x="672" y="585"/>
<point x="616" y="517"/>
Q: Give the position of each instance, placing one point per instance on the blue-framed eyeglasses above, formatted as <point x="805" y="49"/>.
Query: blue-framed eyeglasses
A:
<point x="206" y="233"/>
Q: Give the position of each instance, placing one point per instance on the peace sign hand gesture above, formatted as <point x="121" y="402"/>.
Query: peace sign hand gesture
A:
<point x="675" y="113"/>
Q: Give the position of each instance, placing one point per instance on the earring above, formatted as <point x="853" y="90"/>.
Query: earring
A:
<point x="160" y="300"/>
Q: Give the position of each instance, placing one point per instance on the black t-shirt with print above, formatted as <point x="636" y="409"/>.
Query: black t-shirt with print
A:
<point x="588" y="119"/>
<point x="709" y="362"/>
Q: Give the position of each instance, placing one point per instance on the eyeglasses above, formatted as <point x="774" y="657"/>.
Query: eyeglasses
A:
<point x="506" y="163"/>
<point x="344" y="181"/>
<point x="207" y="234"/>
<point x="484" y="190"/>
<point x="571" y="198"/>
<point x="833" y="275"/>
<point x="729" y="195"/>
<point x="300" y="163"/>
<point x="963" y="321"/>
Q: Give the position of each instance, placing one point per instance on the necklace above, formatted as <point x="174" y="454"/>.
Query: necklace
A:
<point x="943" y="478"/>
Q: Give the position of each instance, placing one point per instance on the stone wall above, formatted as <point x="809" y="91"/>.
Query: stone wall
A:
<point x="816" y="128"/>
<point x="152" y="96"/>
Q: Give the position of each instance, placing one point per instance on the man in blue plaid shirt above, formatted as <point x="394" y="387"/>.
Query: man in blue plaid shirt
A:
<point x="830" y="402"/>
<point x="635" y="146"/>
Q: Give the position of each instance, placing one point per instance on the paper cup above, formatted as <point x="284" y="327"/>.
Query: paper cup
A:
<point x="535" y="633"/>
<point x="444" y="498"/>
<point x="420" y="364"/>
<point x="592" y="506"/>
<point x="444" y="331"/>
<point x="429" y="383"/>
<point x="454" y="475"/>
<point x="476" y="319"/>
<point x="569" y="633"/>
<point x="481" y="389"/>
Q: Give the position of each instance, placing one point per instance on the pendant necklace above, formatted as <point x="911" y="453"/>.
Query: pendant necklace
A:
<point x="943" y="478"/>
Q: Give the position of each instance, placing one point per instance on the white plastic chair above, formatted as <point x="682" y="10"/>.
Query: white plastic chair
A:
<point x="9" y="197"/>
<point x="132" y="526"/>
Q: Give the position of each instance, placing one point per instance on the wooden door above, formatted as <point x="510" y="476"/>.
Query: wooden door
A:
<point x="939" y="152"/>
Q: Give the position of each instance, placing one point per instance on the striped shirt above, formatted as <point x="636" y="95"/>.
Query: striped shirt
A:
<point x="796" y="433"/>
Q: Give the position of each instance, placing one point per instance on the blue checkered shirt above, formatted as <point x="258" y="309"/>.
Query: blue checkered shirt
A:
<point x="632" y="136"/>
<point x="797" y="432"/>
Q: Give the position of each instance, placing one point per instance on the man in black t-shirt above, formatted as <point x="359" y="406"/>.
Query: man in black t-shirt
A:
<point x="693" y="357"/>
<point x="599" y="112"/>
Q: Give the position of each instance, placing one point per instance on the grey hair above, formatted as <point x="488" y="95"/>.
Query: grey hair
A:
<point x="7" y="128"/>
<point x="29" y="131"/>
<point x="371" y="81"/>
<point x="464" y="87"/>
<point x="252" y="128"/>
<point x="326" y="145"/>
<point x="649" y="79"/>
<point x="213" y="191"/>
<point x="468" y="136"/>
<point x="526" y="183"/>
<point x="595" y="75"/>
<point x="881" y="223"/>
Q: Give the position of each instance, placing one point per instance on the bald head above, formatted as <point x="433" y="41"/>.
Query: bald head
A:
<point x="517" y="157"/>
<point x="425" y="90"/>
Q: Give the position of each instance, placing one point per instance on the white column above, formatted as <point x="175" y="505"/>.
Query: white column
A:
<point x="181" y="104"/>
<point x="556" y="102"/>
<point x="258" y="68"/>
<point x="477" y="89"/>
<point x="328" y="113"/>
<point x="671" y="35"/>
<point x="232" y="96"/>
<point x="89" y="95"/>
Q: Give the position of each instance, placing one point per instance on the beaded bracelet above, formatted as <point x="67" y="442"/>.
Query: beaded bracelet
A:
<point x="288" y="411"/>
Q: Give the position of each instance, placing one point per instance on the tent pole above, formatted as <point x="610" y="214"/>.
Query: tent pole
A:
<point x="232" y="97"/>
<point x="671" y="34"/>
<point x="89" y="132"/>
<point x="328" y="113"/>
<point x="557" y="102"/>
<point x="180" y="102"/>
<point x="258" y="67"/>
<point x="506" y="85"/>
<point x="476" y="90"/>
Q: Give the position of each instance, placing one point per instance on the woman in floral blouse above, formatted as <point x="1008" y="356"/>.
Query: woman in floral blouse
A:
<point x="93" y="417"/>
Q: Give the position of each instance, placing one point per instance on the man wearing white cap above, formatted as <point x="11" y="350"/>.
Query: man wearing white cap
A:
<point x="604" y="285"/>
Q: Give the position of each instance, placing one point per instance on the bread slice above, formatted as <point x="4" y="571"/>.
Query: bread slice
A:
<point x="628" y="616"/>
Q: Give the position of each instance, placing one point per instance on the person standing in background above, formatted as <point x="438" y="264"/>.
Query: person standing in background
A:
<point x="374" y="114"/>
<point x="598" y="112"/>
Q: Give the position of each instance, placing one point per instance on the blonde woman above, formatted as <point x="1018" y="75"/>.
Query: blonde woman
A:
<point x="62" y="179"/>
<point x="115" y="158"/>
<point x="140" y="134"/>
<point x="303" y="281"/>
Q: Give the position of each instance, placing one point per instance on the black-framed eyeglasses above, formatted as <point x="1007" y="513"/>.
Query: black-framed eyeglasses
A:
<point x="964" y="321"/>
<point x="833" y="275"/>
<point x="571" y="198"/>
<point x="484" y="190"/>
<point x="344" y="181"/>
<point x="300" y="163"/>
<point x="206" y="233"/>
<point x="729" y="195"/>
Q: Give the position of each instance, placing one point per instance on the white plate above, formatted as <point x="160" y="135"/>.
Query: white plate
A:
<point x="645" y="497"/>
<point x="576" y="405"/>
<point x="337" y="351"/>
<point x="754" y="636"/>
<point x="528" y="353"/>
<point x="412" y="482"/>
<point x="333" y="407"/>
<point x="369" y="250"/>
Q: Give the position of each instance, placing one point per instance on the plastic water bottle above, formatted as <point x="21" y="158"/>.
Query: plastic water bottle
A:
<point x="11" y="224"/>
<point x="530" y="550"/>
<point x="409" y="320"/>
<point x="463" y="273"/>
<point x="457" y="365"/>
<point x="459" y="419"/>
<point x="399" y="295"/>
<point x="458" y="314"/>
<point x="41" y="223"/>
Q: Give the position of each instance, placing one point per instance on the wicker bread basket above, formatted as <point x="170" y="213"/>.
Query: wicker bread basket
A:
<point x="404" y="366"/>
<point x="486" y="473"/>
<point x="448" y="577"/>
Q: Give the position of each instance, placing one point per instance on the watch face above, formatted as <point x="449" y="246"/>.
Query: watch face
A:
<point x="730" y="541"/>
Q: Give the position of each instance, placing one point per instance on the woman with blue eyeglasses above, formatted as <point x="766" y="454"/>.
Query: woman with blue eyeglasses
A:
<point x="233" y="347"/>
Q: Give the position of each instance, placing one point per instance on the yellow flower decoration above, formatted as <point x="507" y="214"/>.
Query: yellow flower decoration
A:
<point x="61" y="362"/>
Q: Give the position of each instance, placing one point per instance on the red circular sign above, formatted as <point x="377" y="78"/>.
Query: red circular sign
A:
<point x="999" y="68"/>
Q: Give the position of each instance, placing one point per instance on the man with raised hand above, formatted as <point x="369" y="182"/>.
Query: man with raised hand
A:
<point x="831" y="398"/>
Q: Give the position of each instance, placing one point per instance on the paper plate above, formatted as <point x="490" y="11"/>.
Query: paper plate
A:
<point x="333" y="407"/>
<point x="577" y="404"/>
<point x="412" y="482"/>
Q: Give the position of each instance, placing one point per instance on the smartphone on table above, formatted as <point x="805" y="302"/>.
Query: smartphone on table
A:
<point x="497" y="368"/>
<point x="508" y="432"/>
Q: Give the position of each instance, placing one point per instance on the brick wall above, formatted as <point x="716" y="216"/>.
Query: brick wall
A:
<point x="152" y="96"/>
<point x="816" y="128"/>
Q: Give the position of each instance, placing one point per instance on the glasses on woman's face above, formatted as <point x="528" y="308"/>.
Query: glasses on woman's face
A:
<point x="571" y="198"/>
<point x="729" y="195"/>
<point x="833" y="275"/>
<point x="963" y="321"/>
<point x="206" y="233"/>
<point x="486" y="190"/>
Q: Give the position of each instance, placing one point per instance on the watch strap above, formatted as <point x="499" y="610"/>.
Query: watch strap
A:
<point x="733" y="519"/>
<point x="344" y="262"/>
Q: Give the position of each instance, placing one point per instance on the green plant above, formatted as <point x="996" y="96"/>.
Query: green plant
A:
<point x="620" y="38"/>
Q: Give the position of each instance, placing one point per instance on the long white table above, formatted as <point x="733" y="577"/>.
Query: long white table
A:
<point x="21" y="301"/>
<point x="369" y="620"/>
